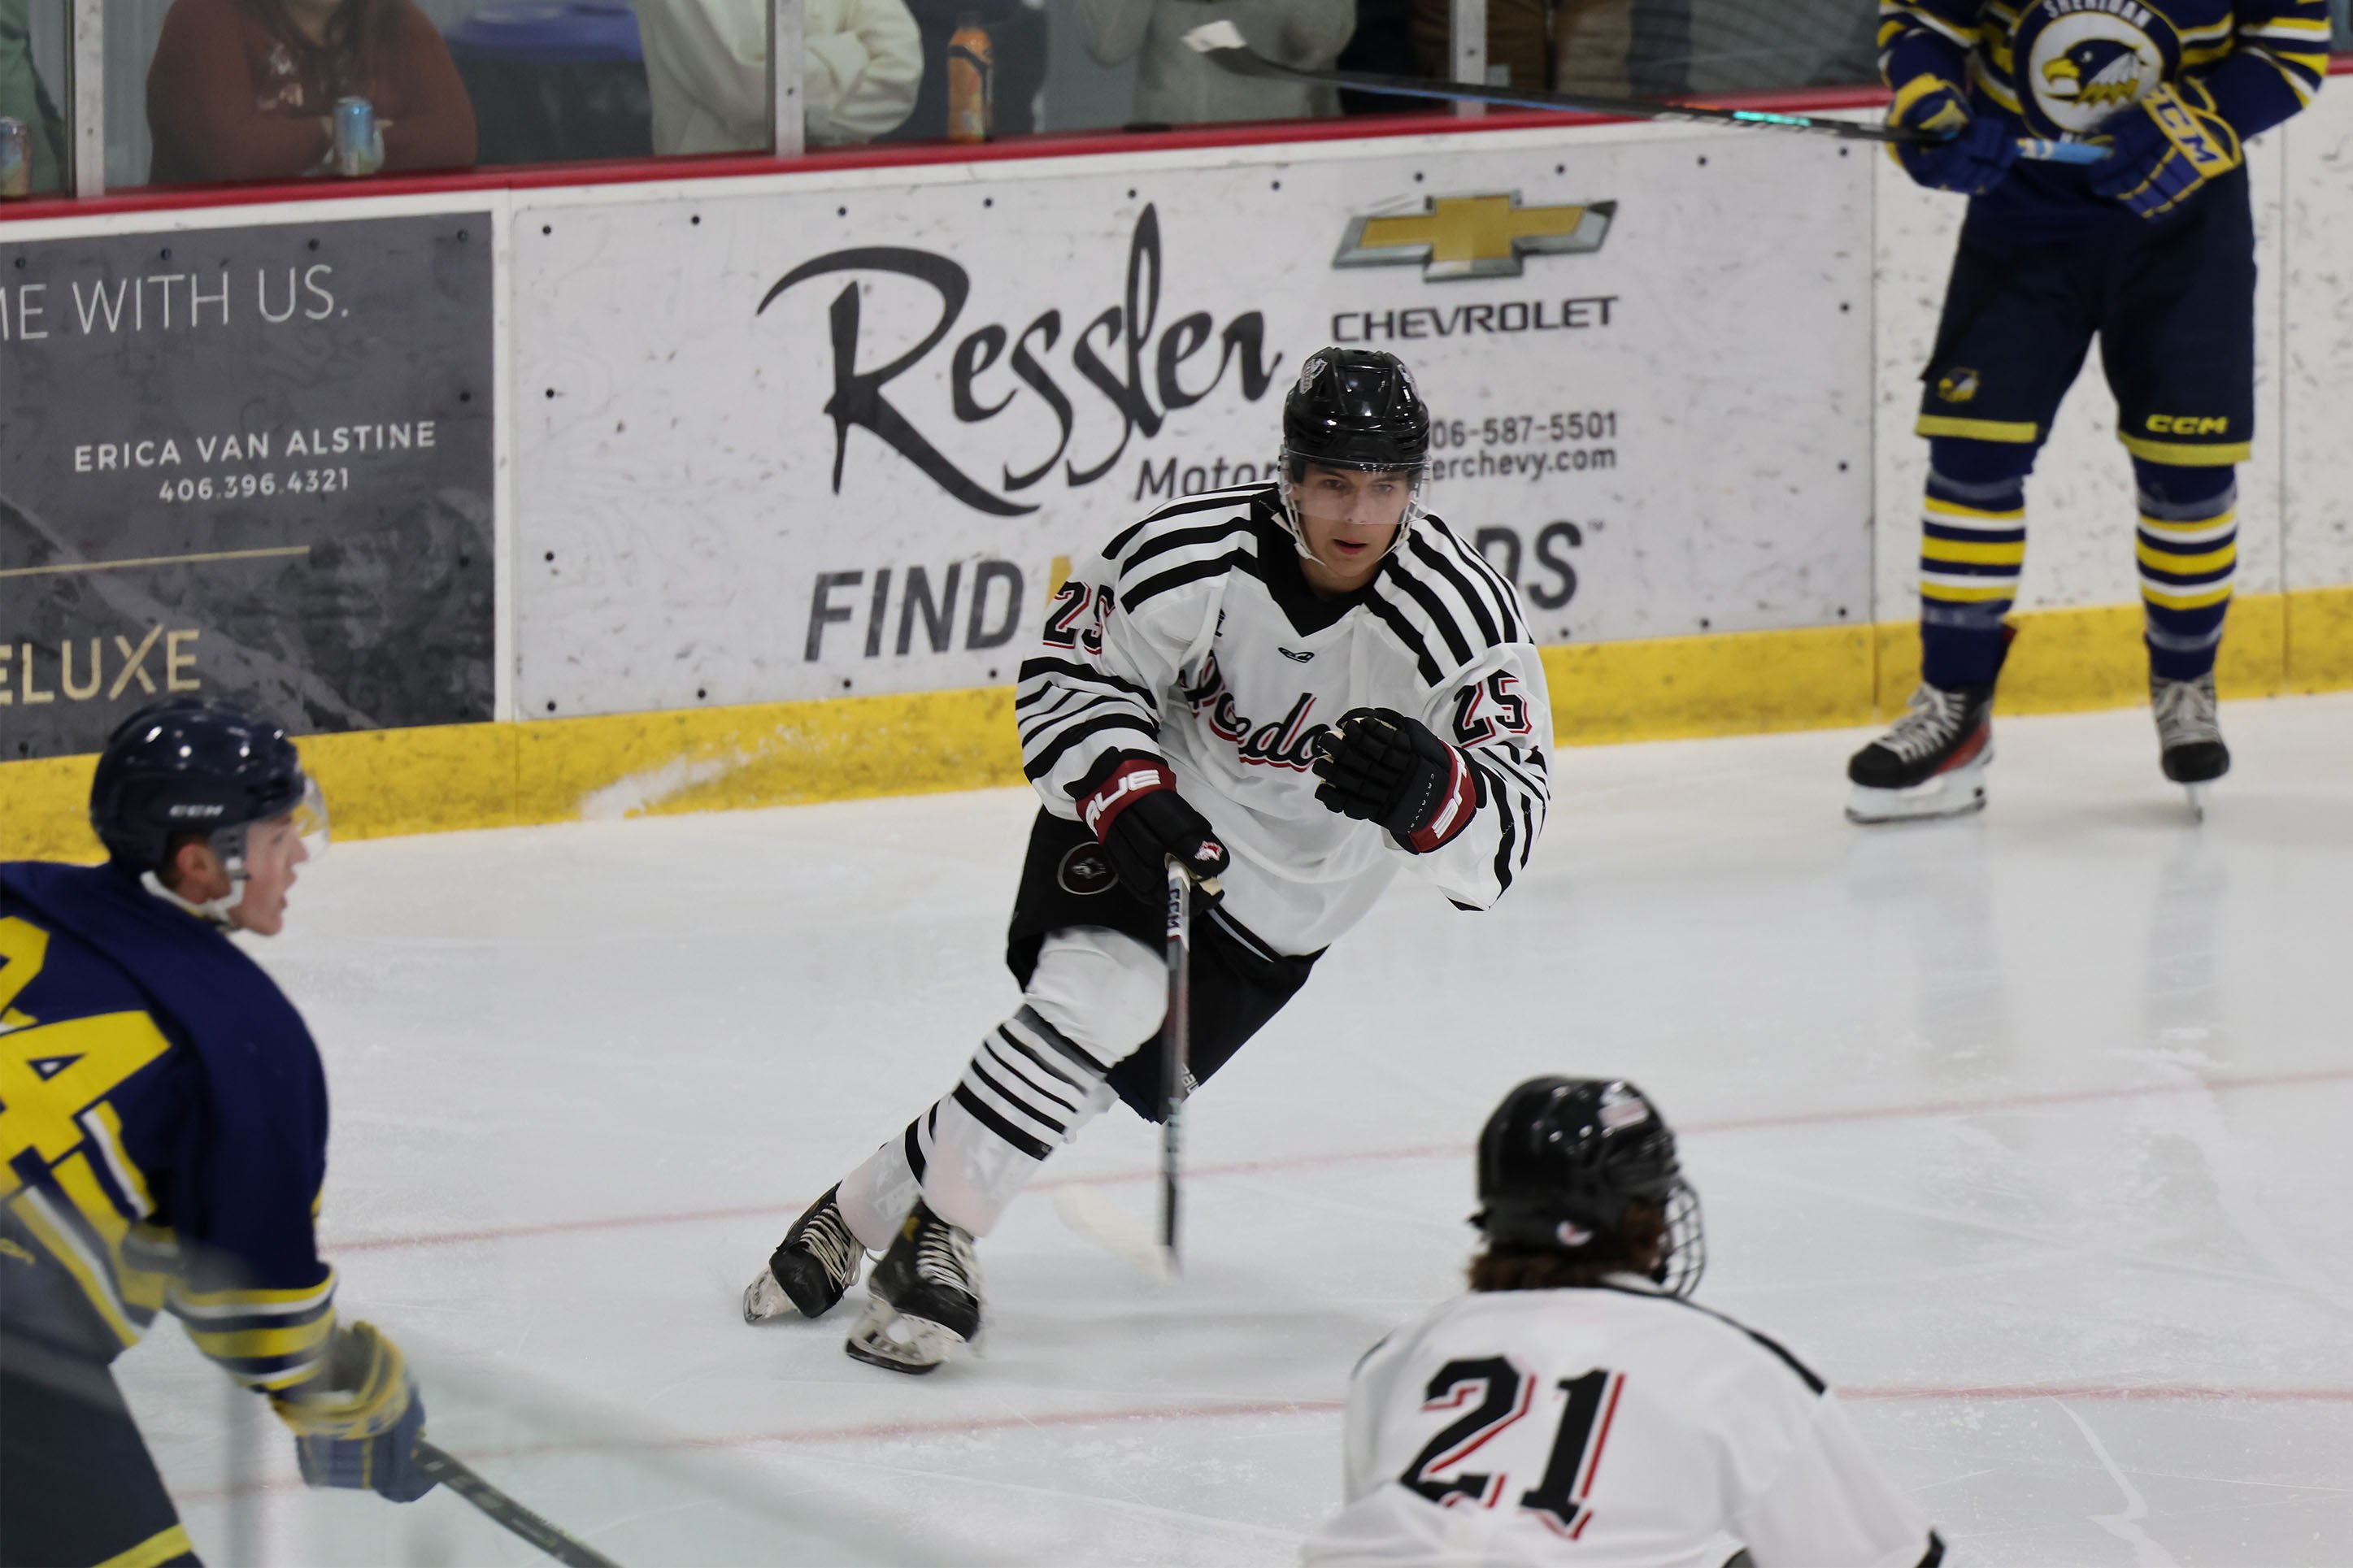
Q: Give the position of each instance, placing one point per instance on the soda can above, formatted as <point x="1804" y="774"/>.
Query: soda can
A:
<point x="356" y="143"/>
<point x="972" y="82"/>
<point x="15" y="159"/>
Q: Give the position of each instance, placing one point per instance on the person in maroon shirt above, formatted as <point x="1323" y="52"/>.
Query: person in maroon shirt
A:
<point x="243" y="90"/>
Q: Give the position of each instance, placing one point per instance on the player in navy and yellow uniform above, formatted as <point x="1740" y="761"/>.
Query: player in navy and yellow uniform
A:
<point x="2152" y="251"/>
<point x="163" y="1119"/>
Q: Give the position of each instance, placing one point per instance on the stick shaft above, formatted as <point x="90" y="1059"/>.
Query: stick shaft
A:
<point x="1248" y="62"/>
<point x="1176" y="1037"/>
<point x="503" y="1511"/>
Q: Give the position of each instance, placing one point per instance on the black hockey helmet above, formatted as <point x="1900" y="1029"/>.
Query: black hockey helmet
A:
<point x="1354" y="408"/>
<point x="191" y="765"/>
<point x="1562" y="1158"/>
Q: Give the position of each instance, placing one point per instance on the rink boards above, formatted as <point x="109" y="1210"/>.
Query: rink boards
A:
<point x="777" y="472"/>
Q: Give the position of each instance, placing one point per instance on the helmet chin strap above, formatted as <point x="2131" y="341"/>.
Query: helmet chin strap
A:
<point x="212" y="911"/>
<point x="227" y="846"/>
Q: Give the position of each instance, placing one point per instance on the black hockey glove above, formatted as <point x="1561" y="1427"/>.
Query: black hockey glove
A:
<point x="1377" y="766"/>
<point x="1131" y="805"/>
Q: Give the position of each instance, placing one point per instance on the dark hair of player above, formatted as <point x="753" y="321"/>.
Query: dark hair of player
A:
<point x="1578" y="1178"/>
<point x="1637" y="1247"/>
<point x="193" y="769"/>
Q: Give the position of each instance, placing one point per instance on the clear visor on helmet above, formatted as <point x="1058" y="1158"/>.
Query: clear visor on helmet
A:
<point x="307" y="821"/>
<point x="1340" y="495"/>
<point x="309" y="818"/>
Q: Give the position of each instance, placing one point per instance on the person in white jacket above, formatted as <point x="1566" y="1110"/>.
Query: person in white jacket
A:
<point x="1177" y="85"/>
<point x="707" y="67"/>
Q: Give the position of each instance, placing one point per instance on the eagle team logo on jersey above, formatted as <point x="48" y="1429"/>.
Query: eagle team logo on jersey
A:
<point x="1957" y="386"/>
<point x="2080" y="62"/>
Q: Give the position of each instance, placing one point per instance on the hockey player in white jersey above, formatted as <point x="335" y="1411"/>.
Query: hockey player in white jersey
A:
<point x="1576" y="1409"/>
<point x="1298" y="688"/>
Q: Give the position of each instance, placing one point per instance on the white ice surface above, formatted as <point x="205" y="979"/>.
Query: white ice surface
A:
<point x="2028" y="1131"/>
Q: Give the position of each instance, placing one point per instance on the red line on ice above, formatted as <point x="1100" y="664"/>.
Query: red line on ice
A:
<point x="2153" y="1392"/>
<point x="887" y="1431"/>
<point x="2219" y="1084"/>
<point x="1215" y="1410"/>
<point x="1222" y="1411"/>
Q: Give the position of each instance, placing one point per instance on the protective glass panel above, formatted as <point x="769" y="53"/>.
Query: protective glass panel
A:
<point x="1669" y="48"/>
<point x="245" y="91"/>
<point x="963" y="71"/>
<point x="33" y="147"/>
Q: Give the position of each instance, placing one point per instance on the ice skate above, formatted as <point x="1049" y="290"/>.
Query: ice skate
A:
<point x="1931" y="763"/>
<point x="818" y="1261"/>
<point x="2189" y="734"/>
<point x="922" y="1298"/>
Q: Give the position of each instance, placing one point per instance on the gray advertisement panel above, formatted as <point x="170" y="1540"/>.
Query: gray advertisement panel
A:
<point x="253" y="463"/>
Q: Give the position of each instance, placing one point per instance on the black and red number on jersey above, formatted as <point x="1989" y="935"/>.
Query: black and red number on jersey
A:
<point x="1499" y="1392"/>
<point x="1486" y="708"/>
<point x="1070" y="601"/>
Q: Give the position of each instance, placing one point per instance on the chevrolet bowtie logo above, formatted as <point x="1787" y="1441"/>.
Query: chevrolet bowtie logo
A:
<point x="1473" y="236"/>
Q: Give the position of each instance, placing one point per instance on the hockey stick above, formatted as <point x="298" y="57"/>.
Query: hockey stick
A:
<point x="503" y="1509"/>
<point x="1093" y="1213"/>
<point x="1084" y="1208"/>
<point x="1223" y="43"/>
<point x="1175" y="1035"/>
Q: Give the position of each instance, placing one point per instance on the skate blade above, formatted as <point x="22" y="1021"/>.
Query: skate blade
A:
<point x="886" y="1338"/>
<point x="2196" y="794"/>
<point x="1955" y="794"/>
<point x="764" y="1301"/>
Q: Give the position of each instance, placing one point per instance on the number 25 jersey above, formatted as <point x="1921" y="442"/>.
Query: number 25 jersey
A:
<point x="1615" y="1427"/>
<point x="1193" y="637"/>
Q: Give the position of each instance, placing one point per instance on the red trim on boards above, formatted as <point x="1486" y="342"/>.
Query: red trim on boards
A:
<point x="1074" y="144"/>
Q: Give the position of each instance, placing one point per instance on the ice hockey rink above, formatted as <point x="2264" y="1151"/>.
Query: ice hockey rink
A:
<point x="2027" y="1131"/>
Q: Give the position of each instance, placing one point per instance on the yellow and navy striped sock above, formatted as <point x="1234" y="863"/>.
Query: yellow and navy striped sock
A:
<point x="2187" y="547"/>
<point x="1972" y="549"/>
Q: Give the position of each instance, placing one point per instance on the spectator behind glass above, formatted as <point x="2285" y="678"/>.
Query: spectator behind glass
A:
<point x="23" y="97"/>
<point x="707" y="67"/>
<point x="243" y="90"/>
<point x="1175" y="85"/>
<point x="1614" y="48"/>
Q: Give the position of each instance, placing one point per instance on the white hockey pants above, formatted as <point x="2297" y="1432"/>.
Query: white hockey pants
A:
<point x="1038" y="1078"/>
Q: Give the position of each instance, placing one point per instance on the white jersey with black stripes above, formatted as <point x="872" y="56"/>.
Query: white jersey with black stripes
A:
<point x="1193" y="635"/>
<point x="1614" y="1426"/>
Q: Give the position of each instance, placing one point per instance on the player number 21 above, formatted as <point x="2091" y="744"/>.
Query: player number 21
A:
<point x="1504" y="1394"/>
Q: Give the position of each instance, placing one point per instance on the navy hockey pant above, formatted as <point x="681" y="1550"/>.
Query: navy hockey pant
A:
<point x="2172" y="305"/>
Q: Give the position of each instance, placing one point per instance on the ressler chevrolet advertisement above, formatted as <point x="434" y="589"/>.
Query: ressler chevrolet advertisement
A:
<point x="779" y="443"/>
